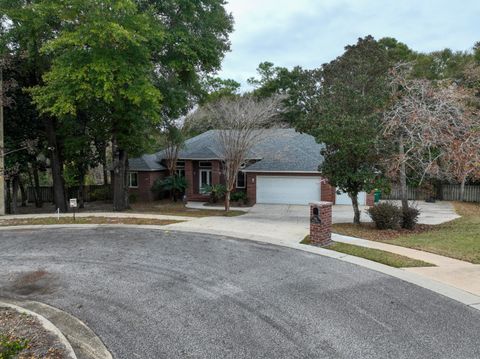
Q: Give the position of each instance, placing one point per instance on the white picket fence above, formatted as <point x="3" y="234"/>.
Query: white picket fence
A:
<point x="450" y="192"/>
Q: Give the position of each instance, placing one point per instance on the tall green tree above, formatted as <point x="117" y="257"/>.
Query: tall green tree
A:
<point x="299" y="88"/>
<point x="346" y="118"/>
<point x="102" y="61"/>
<point x="29" y="29"/>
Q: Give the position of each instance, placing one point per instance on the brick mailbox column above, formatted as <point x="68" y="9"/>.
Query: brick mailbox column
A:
<point x="320" y="223"/>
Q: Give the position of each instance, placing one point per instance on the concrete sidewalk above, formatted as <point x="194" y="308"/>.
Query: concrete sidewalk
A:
<point x="454" y="272"/>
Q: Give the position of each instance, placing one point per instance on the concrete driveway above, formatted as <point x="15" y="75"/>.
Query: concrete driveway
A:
<point x="152" y="294"/>
<point x="282" y="224"/>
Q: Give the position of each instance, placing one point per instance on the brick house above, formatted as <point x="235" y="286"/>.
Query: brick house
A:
<point x="282" y="168"/>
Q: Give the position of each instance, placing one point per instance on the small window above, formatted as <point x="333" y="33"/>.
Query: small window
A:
<point x="241" y="179"/>
<point x="180" y="164"/>
<point x="133" y="179"/>
<point x="180" y="172"/>
<point x="205" y="164"/>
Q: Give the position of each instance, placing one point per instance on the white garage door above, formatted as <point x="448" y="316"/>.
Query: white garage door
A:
<point x="288" y="190"/>
<point x="343" y="198"/>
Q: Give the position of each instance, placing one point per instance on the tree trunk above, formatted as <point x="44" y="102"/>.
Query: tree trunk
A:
<point x="36" y="179"/>
<point x="81" y="199"/>
<point x="23" y="193"/>
<point x="9" y="197"/>
<point x="14" y="208"/>
<point x="59" y="197"/>
<point x="104" y="165"/>
<point x="403" y="177"/>
<point x="227" y="200"/>
<point x="120" y="171"/>
<point x="356" y="210"/>
<point x="462" y="188"/>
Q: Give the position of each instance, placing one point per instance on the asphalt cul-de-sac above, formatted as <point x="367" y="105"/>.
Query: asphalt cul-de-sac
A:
<point x="160" y="294"/>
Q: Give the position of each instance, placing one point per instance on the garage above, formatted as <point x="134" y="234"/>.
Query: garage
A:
<point x="288" y="189"/>
<point x="343" y="198"/>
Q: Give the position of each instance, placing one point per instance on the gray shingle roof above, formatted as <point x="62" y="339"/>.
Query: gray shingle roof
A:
<point x="145" y="163"/>
<point x="283" y="150"/>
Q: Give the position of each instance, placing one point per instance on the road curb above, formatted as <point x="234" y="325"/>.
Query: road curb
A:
<point x="459" y="295"/>
<point x="47" y="325"/>
<point x="79" y="337"/>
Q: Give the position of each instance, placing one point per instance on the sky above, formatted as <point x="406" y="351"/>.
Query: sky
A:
<point x="311" y="32"/>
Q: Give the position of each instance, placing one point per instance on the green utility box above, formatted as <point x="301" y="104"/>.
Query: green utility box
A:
<point x="377" y="195"/>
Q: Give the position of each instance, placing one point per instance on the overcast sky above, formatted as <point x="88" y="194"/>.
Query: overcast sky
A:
<point x="312" y="32"/>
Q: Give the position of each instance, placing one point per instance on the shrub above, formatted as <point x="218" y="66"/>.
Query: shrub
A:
<point x="385" y="215"/>
<point x="216" y="191"/>
<point x="239" y="196"/>
<point x="410" y="217"/>
<point x="132" y="198"/>
<point x="9" y="349"/>
<point x="100" y="194"/>
<point x="176" y="185"/>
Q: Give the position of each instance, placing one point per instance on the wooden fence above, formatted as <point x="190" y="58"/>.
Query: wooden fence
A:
<point x="449" y="192"/>
<point x="90" y="193"/>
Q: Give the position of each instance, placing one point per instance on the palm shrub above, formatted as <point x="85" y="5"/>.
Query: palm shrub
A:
<point x="239" y="196"/>
<point x="216" y="192"/>
<point x="175" y="184"/>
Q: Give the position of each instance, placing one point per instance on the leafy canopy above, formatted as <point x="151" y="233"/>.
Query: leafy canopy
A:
<point x="346" y="116"/>
<point x="102" y="62"/>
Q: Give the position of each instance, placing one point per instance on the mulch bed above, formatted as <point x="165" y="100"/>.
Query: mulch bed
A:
<point x="41" y="344"/>
<point x="369" y="231"/>
<point x="232" y="204"/>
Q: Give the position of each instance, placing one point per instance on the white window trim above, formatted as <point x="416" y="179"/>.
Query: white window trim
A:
<point x="130" y="180"/>
<point x="244" y="181"/>
<point x="200" y="179"/>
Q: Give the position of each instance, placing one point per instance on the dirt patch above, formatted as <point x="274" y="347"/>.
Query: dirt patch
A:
<point x="25" y="328"/>
<point x="31" y="283"/>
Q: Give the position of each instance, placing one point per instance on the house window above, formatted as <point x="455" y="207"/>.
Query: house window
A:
<point x="205" y="180"/>
<point x="180" y="164"/>
<point x="180" y="172"/>
<point x="205" y="164"/>
<point x="133" y="179"/>
<point x="241" y="179"/>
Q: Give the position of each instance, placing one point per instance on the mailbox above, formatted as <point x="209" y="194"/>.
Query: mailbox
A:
<point x="315" y="216"/>
<point x="320" y="223"/>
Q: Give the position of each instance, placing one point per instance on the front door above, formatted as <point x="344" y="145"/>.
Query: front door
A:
<point x="205" y="180"/>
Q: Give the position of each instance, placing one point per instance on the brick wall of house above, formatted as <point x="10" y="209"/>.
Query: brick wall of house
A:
<point x="251" y="187"/>
<point x="370" y="199"/>
<point x="328" y="192"/>
<point x="146" y="180"/>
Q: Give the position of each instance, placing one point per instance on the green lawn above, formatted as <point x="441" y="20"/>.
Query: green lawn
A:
<point x="459" y="238"/>
<point x="376" y="255"/>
